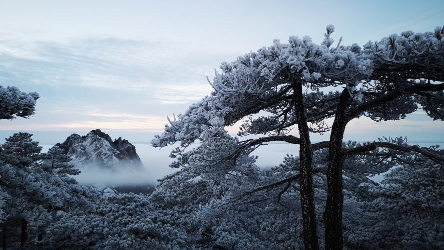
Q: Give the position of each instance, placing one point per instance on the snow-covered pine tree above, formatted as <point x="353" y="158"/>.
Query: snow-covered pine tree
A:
<point x="34" y="189"/>
<point x="20" y="150"/>
<point x="298" y="86"/>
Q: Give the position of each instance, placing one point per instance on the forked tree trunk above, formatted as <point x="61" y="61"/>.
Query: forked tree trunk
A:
<point x="310" y="235"/>
<point x="335" y="198"/>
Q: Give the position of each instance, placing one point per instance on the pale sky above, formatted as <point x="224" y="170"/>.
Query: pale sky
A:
<point x="123" y="66"/>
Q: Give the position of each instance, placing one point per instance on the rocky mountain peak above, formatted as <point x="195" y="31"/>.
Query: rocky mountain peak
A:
<point x="98" y="149"/>
<point x="100" y="134"/>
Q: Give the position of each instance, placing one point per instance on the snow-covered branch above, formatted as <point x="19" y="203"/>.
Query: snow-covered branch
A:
<point x="400" y="90"/>
<point x="434" y="156"/>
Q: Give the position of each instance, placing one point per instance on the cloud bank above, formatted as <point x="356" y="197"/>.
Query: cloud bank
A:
<point x="107" y="83"/>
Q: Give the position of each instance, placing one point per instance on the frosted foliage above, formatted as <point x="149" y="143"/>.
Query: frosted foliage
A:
<point x="202" y="120"/>
<point x="394" y="110"/>
<point x="59" y="162"/>
<point x="263" y="80"/>
<point x="219" y="214"/>
<point x="215" y="213"/>
<point x="3" y="199"/>
<point x="433" y="104"/>
<point x="33" y="188"/>
<point x="14" y="103"/>
<point x="260" y="72"/>
<point x="404" y="211"/>
<point x="20" y="150"/>
<point x="119" y="222"/>
<point x="408" y="210"/>
<point x="419" y="49"/>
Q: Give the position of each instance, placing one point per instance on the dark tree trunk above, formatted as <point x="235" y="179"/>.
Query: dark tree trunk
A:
<point x="40" y="233"/>
<point x="24" y="233"/>
<point x="4" y="242"/>
<point x="335" y="198"/>
<point x="310" y="234"/>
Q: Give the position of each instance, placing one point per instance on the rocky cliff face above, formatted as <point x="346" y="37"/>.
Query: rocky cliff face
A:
<point x="98" y="149"/>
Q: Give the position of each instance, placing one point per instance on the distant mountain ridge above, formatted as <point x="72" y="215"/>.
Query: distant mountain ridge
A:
<point x="98" y="149"/>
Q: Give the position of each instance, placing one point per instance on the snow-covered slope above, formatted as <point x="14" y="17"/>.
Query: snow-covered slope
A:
<point x="98" y="149"/>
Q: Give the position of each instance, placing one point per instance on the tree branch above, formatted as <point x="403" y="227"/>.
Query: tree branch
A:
<point x="259" y="105"/>
<point x="320" y="145"/>
<point x="273" y="185"/>
<point x="374" y="145"/>
<point x="392" y="95"/>
<point x="284" y="181"/>
<point x="285" y="138"/>
<point x="283" y="191"/>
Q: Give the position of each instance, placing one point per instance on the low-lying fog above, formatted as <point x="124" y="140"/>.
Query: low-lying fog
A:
<point x="156" y="162"/>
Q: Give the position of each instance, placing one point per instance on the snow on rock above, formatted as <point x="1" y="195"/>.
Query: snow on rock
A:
<point x="98" y="149"/>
